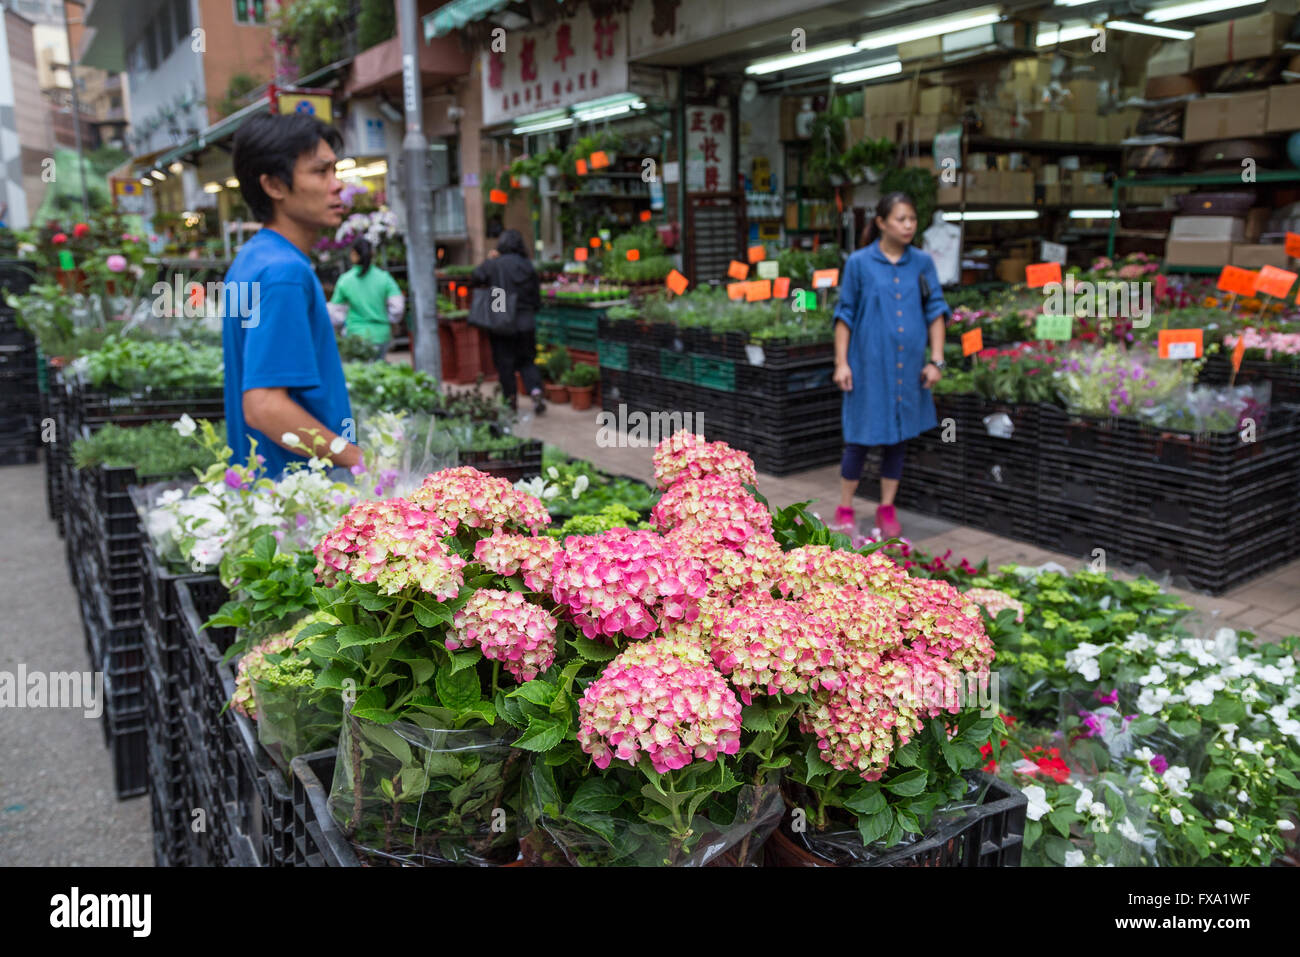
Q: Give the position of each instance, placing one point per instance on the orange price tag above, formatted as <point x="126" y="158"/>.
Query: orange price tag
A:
<point x="676" y="282"/>
<point x="759" y="289"/>
<point x="514" y="182"/>
<point x="1293" y="245"/>
<point x="757" y="253"/>
<point x="738" y="290"/>
<point x="499" y="197"/>
<point x="1040" y="274"/>
<point x="738" y="270"/>
<point x="1238" y="352"/>
<point x="633" y="255"/>
<point x="599" y="160"/>
<point x="1238" y="280"/>
<point x="645" y="215"/>
<point x="1181" y="343"/>
<point x="580" y="254"/>
<point x="594" y="242"/>
<point x="462" y="290"/>
<point x="581" y="166"/>
<point x="972" y="341"/>
<point x="825" y="278"/>
<point x="1275" y="282"/>
<point x="781" y="287"/>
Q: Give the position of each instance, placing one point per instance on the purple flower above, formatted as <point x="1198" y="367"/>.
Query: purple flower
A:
<point x="358" y="469"/>
<point x="1092" y="723"/>
<point x="1160" y="764"/>
<point x="233" y="479"/>
<point x="301" y="520"/>
<point x="1110" y="698"/>
<point x="379" y="490"/>
<point x="279" y="535"/>
<point x="388" y="476"/>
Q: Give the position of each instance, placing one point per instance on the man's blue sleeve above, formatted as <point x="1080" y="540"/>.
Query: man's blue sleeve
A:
<point x="279" y="351"/>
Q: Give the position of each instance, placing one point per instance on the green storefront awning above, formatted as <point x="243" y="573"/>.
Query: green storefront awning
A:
<point x="452" y="16"/>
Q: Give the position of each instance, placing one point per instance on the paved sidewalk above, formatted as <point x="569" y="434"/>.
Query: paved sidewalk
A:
<point x="57" y="806"/>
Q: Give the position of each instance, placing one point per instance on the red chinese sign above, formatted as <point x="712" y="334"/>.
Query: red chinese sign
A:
<point x="708" y="149"/>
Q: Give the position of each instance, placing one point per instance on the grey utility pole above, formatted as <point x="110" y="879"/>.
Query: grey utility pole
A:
<point x="76" y="115"/>
<point x="420" y="254"/>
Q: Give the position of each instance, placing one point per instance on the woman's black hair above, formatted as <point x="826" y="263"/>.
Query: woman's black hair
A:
<point x="883" y="209"/>
<point x="271" y="144"/>
<point x="512" y="241"/>
<point x="365" y="252"/>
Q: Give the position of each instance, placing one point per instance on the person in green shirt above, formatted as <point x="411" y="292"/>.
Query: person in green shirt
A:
<point x="366" y="300"/>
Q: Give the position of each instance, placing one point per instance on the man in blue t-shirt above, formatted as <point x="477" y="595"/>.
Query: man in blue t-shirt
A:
<point x="282" y="366"/>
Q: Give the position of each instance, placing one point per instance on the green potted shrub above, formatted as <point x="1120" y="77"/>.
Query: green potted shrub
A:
<point x="557" y="366"/>
<point x="581" y="381"/>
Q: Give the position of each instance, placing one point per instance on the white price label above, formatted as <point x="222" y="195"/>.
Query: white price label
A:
<point x="823" y="282"/>
<point x="769" y="269"/>
<point x="1182" y="350"/>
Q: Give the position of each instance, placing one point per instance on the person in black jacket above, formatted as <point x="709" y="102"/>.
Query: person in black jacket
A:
<point x="509" y="268"/>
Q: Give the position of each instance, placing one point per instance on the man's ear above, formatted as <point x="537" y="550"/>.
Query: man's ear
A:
<point x="273" y="186"/>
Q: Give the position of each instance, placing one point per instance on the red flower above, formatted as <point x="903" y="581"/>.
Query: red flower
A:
<point x="59" y="238"/>
<point x="79" y="230"/>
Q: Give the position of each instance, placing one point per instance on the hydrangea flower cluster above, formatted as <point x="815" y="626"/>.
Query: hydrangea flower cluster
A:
<point x="994" y="602"/>
<point x="815" y="566"/>
<point x="663" y="699"/>
<point x="777" y="647"/>
<point x="866" y="623"/>
<point x="626" y="583"/>
<point x="509" y="629"/>
<point x="684" y="455"/>
<point x="940" y="621"/>
<point x="255" y="661"/>
<point x="465" y="496"/>
<point x="392" y="543"/>
<point x="732" y="568"/>
<point x="531" y="557"/>
<point x="713" y="500"/>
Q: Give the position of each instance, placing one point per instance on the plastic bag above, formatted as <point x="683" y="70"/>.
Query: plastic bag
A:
<point x="593" y="822"/>
<point x="409" y="795"/>
<point x="289" y="723"/>
<point x="161" y="527"/>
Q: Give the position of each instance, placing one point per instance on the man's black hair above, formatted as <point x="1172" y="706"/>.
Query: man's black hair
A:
<point x="512" y="241"/>
<point x="271" y="143"/>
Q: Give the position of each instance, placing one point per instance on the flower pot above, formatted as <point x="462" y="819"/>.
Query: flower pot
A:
<point x="580" y="395"/>
<point x="556" y="393"/>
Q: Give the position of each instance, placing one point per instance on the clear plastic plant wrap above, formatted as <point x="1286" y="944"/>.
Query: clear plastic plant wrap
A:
<point x="1201" y="409"/>
<point x="290" y="722"/>
<point x="407" y="794"/>
<point x="613" y="818"/>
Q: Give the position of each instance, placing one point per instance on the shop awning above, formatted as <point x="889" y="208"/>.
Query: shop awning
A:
<point x="452" y="16"/>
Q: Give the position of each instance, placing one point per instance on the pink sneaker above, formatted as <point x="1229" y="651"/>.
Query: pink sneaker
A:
<point x="887" y="522"/>
<point x="844" y="521"/>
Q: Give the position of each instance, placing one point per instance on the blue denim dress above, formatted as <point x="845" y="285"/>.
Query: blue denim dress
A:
<point x="889" y="344"/>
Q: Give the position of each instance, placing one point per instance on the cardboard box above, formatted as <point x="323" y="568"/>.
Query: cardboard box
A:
<point x="1068" y="124"/>
<point x="917" y="49"/>
<point x="1226" y="117"/>
<point x="1283" y="109"/>
<point x="883" y="98"/>
<point x="1084" y="96"/>
<point x="926" y="128"/>
<point x="1044" y="125"/>
<point x="1052" y="195"/>
<point x="1256" y="220"/>
<point x="1171" y="59"/>
<point x="1197" y="252"/>
<point x="1012" y="270"/>
<point x="949" y="195"/>
<point x="1017" y="187"/>
<point x="935" y="100"/>
<point x="790" y="107"/>
<point x="999" y="123"/>
<point x="1251" y="256"/>
<point x="1086" y="127"/>
<point x="1242" y="39"/>
<point x="1049" y="174"/>
<point x="855" y="130"/>
<point x="1231" y="228"/>
<point x="889" y="125"/>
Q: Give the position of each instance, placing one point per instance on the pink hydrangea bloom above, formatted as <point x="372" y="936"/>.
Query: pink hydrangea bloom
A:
<point x="686" y="455"/>
<point x="937" y="619"/>
<point x="393" y="544"/>
<point x="465" y="496"/>
<point x="732" y="566"/>
<point x="626" y="583"/>
<point x="777" y="647"/>
<point x="242" y="700"/>
<point x="816" y="566"/>
<point x="713" y="500"/>
<point x="532" y="557"/>
<point x="994" y="601"/>
<point x="867" y="624"/>
<point x="663" y="699"/>
<point x="509" y="629"/>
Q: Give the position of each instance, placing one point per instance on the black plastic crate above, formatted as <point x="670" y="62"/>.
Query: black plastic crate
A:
<point x="129" y="746"/>
<point x="524" y="461"/>
<point x="92" y="407"/>
<point x="1283" y="376"/>
<point x="1006" y="510"/>
<point x="238" y="760"/>
<point x="643" y="358"/>
<point x="317" y="838"/>
<point x="23" y="453"/>
<point x="778" y="383"/>
<point x="203" y="689"/>
<point x="278" y="820"/>
<point x="921" y="490"/>
<point x="786" y="353"/>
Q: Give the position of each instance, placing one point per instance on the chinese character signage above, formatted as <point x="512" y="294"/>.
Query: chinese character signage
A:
<point x="708" y="150"/>
<point x="571" y="61"/>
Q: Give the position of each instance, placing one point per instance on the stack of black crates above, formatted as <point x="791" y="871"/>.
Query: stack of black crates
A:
<point x="20" y="399"/>
<point x="774" y="399"/>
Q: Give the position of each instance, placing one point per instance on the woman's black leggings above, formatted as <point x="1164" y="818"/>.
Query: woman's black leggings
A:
<point x="855" y="456"/>
<point x="514" y="352"/>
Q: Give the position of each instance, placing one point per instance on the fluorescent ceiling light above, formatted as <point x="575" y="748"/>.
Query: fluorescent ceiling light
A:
<point x="177" y="167"/>
<point x="213" y="187"/>
<point x="1094" y="213"/>
<point x="145" y="180"/>
<point x="929" y="28"/>
<point x="232" y="183"/>
<point x="869" y="72"/>
<point x="608" y="111"/>
<point x="1125" y="27"/>
<point x="343" y="164"/>
<point x="802" y="59"/>
<point x="1073" y="3"/>
<point x="1065" y="34"/>
<point x="992" y="214"/>
<point x="1181" y="11"/>
<point x="158" y="174"/>
<point x="539" y="127"/>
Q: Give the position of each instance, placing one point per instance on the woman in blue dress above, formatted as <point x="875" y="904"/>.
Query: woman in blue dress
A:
<point x="889" y="335"/>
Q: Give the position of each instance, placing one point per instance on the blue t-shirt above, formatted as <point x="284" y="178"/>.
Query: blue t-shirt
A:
<point x="276" y="334"/>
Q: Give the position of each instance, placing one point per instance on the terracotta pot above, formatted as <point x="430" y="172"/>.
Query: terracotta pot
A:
<point x="580" y="396"/>
<point x="556" y="393"/>
<point x="780" y="851"/>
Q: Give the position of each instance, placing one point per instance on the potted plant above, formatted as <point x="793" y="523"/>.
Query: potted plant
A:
<point x="557" y="366"/>
<point x="581" y="381"/>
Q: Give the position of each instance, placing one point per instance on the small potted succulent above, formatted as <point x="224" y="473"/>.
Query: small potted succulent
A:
<point x="581" y="381"/>
<point x="556" y="368"/>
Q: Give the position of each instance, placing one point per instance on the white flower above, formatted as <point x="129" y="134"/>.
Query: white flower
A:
<point x="1247" y="746"/>
<point x="1138" y="642"/>
<point x="1166" y="648"/>
<point x="1097" y="810"/>
<point x="1243" y="797"/>
<point x="338" y="445"/>
<point x="184" y="425"/>
<point x="1145" y="755"/>
<point x="1149" y="785"/>
<point x="1126" y="828"/>
<point x="1176" y="779"/>
<point x="1074" y="858"/>
<point x="1228" y="731"/>
<point x="1038" y="805"/>
<point x="289" y="438"/>
<point x="1270" y="674"/>
<point x="550" y="492"/>
<point x="1156" y="676"/>
<point x="1085" y="799"/>
<point x="207" y="551"/>
<point x="1175" y="816"/>
<point x="1224" y="826"/>
<point x="1225" y="644"/>
<point x="1285" y="826"/>
<point x="170" y="496"/>
<point x="1151" y="700"/>
<point x="1199" y="693"/>
<point x="1180" y="669"/>
<point x="553" y="473"/>
<point x="580" y="485"/>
